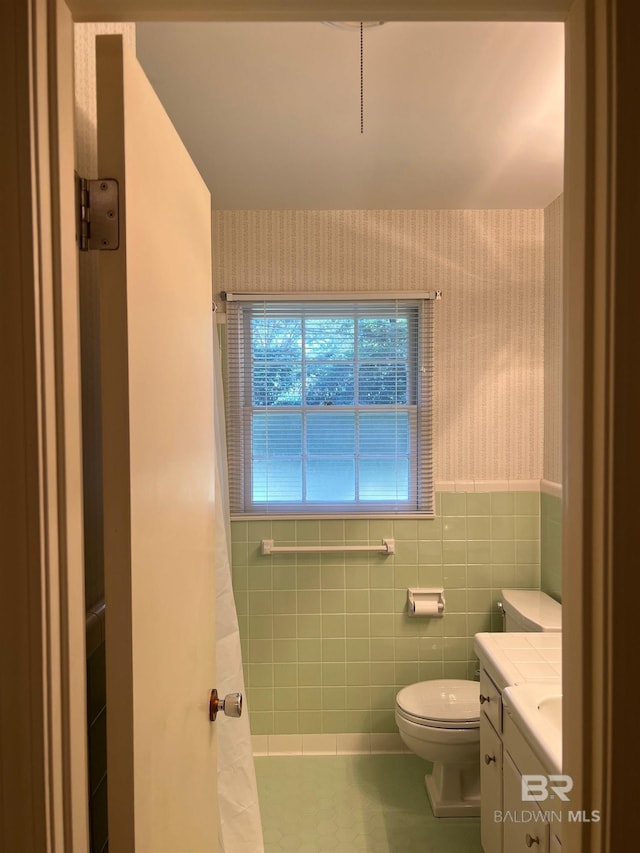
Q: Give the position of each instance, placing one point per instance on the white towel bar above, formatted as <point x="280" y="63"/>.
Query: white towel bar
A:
<point x="268" y="547"/>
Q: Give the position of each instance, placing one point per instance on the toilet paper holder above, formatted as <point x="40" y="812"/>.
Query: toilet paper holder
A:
<point x="428" y="601"/>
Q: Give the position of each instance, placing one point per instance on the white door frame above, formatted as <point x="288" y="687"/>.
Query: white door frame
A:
<point x="42" y="667"/>
<point x="42" y="616"/>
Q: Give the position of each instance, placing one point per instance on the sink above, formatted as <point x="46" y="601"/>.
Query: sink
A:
<point x="536" y="709"/>
<point x="551" y="709"/>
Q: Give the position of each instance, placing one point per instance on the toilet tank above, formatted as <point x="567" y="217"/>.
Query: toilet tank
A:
<point x="530" y="610"/>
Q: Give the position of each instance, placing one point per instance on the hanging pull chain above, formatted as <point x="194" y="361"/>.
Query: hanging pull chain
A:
<point x="361" y="77"/>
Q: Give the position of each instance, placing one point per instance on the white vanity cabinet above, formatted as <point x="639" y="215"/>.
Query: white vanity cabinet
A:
<point x="519" y="834"/>
<point x="490" y="764"/>
<point x="529" y="829"/>
<point x="491" y="700"/>
<point x="490" y="786"/>
<point x="507" y="824"/>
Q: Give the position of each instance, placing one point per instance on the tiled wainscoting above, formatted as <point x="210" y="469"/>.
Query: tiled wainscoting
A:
<point x="326" y="638"/>
<point x="551" y="541"/>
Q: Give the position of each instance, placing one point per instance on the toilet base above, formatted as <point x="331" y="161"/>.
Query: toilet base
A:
<point x="461" y="791"/>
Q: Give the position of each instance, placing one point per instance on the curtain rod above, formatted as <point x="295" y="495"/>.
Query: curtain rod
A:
<point x="333" y="296"/>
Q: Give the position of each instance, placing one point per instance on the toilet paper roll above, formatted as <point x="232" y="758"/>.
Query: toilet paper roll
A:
<point x="425" y="608"/>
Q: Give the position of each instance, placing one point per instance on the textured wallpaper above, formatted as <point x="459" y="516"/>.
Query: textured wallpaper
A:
<point x="552" y="469"/>
<point x="489" y="336"/>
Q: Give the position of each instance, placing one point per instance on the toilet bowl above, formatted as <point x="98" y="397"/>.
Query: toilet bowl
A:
<point x="440" y="721"/>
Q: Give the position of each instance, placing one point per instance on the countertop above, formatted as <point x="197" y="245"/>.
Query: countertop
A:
<point x="514" y="658"/>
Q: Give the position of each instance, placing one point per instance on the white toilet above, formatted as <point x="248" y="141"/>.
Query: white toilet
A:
<point x="440" y="720"/>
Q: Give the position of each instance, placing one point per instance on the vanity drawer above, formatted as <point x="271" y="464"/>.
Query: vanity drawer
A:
<point x="490" y="700"/>
<point x="525" y="827"/>
<point x="516" y="745"/>
<point x="490" y="787"/>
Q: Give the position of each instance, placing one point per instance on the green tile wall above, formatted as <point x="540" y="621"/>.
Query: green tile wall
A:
<point x="326" y="639"/>
<point x="551" y="545"/>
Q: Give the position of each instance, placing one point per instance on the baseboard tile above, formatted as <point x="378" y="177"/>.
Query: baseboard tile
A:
<point x="353" y="744"/>
<point x="328" y="744"/>
<point x="284" y="744"/>
<point x="260" y="744"/>
<point x="386" y="743"/>
<point x="319" y="745"/>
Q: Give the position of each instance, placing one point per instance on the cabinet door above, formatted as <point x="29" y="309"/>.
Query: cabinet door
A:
<point x="555" y="846"/>
<point x="491" y="700"/>
<point x="490" y="787"/>
<point x="524" y="827"/>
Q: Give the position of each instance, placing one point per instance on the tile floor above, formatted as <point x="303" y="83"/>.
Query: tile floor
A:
<point x="355" y="804"/>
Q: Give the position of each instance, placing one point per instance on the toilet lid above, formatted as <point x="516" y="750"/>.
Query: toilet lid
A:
<point x="444" y="700"/>
<point x="534" y="609"/>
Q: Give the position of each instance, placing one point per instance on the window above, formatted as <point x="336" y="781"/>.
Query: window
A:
<point x="329" y="406"/>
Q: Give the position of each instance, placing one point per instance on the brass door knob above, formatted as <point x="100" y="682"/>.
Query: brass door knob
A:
<point x="231" y="705"/>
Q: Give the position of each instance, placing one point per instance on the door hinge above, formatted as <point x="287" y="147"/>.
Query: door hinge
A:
<point x="97" y="221"/>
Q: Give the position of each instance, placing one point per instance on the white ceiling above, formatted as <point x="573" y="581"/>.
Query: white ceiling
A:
<point x="456" y="115"/>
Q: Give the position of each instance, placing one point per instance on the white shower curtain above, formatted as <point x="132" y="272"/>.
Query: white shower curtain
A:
<point x="239" y="811"/>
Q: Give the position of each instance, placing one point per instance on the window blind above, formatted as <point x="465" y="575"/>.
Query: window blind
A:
<point x="329" y="406"/>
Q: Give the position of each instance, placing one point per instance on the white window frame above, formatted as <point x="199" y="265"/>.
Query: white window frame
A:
<point x="241" y="410"/>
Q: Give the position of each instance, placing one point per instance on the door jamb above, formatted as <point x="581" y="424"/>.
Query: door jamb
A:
<point x="594" y="263"/>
